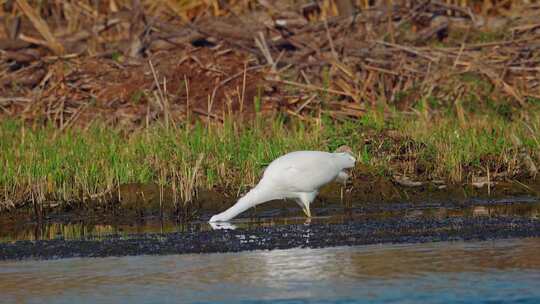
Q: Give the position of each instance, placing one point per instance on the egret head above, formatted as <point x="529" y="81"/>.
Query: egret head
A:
<point x="347" y="156"/>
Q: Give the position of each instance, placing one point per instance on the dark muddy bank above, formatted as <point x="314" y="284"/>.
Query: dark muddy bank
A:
<point x="373" y="211"/>
<point x="391" y="223"/>
<point x="281" y="237"/>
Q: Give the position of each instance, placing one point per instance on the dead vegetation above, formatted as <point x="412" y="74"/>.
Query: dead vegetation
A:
<point x="71" y="62"/>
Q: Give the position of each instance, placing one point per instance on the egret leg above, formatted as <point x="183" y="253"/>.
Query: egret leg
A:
<point x="305" y="200"/>
<point x="306" y="210"/>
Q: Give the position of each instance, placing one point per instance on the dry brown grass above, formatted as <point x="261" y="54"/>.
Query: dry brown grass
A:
<point x="313" y="64"/>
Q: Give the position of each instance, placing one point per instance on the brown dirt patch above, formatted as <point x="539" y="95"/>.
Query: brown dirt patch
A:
<point x="207" y="81"/>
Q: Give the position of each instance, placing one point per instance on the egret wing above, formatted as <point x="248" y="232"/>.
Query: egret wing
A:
<point x="303" y="171"/>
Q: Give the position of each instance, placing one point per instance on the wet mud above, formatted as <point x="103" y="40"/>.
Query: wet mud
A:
<point x="392" y="223"/>
<point x="279" y="237"/>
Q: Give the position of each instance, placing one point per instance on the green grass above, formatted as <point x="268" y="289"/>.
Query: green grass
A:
<point x="42" y="164"/>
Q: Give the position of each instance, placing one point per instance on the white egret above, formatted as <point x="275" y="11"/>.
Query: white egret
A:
<point x="297" y="175"/>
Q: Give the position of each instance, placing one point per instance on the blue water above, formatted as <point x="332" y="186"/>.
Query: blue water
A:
<point x="502" y="271"/>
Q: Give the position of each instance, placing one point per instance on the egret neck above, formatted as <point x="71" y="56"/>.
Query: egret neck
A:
<point x="254" y="197"/>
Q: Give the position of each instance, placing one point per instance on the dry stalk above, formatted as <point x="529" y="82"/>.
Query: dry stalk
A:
<point x="41" y="26"/>
<point x="188" y="181"/>
<point x="162" y="97"/>
<point x="244" y="84"/>
<point x="314" y="88"/>
<point x="330" y="40"/>
<point x="488" y="180"/>
<point x="261" y="44"/>
<point x="303" y="105"/>
<point x="186" y="82"/>
<point x="227" y="80"/>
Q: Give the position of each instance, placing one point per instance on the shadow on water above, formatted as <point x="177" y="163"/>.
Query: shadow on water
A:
<point x="96" y="228"/>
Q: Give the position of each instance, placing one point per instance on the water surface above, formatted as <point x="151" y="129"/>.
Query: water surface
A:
<point x="506" y="270"/>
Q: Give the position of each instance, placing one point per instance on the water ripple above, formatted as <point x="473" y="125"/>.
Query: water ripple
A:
<point x="446" y="272"/>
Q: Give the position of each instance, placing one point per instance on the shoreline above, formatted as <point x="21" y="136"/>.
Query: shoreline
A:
<point x="278" y="227"/>
<point x="267" y="238"/>
<point x="137" y="202"/>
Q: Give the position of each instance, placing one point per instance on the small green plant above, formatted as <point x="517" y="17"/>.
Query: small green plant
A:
<point x="137" y="96"/>
<point x="116" y="56"/>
